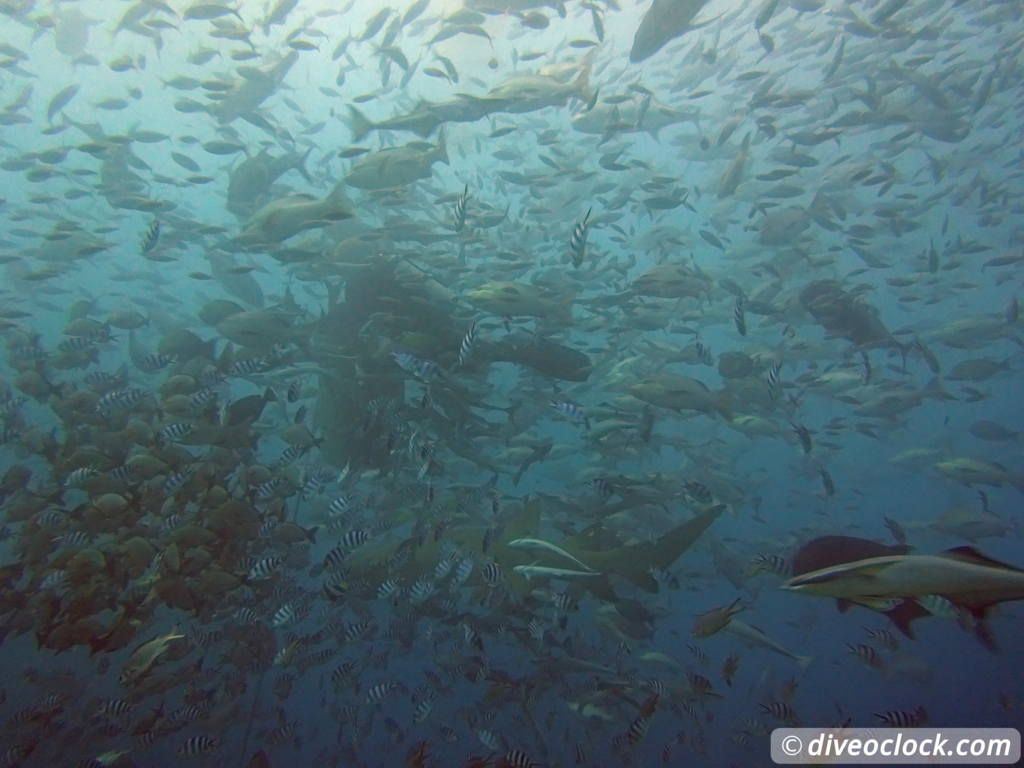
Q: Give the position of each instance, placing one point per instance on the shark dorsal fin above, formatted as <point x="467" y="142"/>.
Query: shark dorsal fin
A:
<point x="972" y="555"/>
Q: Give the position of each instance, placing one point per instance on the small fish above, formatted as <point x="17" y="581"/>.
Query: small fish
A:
<point x="152" y="237"/>
<point x="265" y="568"/>
<point x="283" y="615"/>
<point x="466" y="347"/>
<point x="776" y="564"/>
<point x="898" y="718"/>
<point x="884" y="636"/>
<point x="898" y="534"/>
<point x="774" y="369"/>
<point x="704" y="353"/>
<point x="423" y="369"/>
<point x="729" y="668"/>
<point x="740" y="317"/>
<point x="698" y="491"/>
<point x="571" y="411"/>
<point x="867" y="654"/>
<point x="804" y="435"/>
<point x="780" y="710"/>
<point x="578" y="241"/>
<point x="460" y="209"/>
<point x="826" y="482"/>
<point x="198" y="745"/>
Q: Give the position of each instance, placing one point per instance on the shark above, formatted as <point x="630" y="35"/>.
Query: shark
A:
<point x="664" y="21"/>
<point x="964" y="576"/>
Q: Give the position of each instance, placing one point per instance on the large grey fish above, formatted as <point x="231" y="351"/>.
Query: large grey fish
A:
<point x="251" y="180"/>
<point x="426" y="117"/>
<point x="665" y="20"/>
<point x="633" y="115"/>
<point x="397" y="166"/>
<point x="281" y="219"/>
<point x="251" y="91"/>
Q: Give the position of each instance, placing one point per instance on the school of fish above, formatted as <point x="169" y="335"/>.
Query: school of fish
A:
<point x="495" y="382"/>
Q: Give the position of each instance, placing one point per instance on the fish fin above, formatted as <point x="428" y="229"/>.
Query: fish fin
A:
<point x="903" y="614"/>
<point x="983" y="632"/>
<point x="583" y="81"/>
<point x="311" y="533"/>
<point x="933" y="389"/>
<point x="301" y="166"/>
<point x="972" y="555"/>
<point x="843" y="605"/>
<point x="804" y="662"/>
<point x="442" y="147"/>
<point x="360" y="124"/>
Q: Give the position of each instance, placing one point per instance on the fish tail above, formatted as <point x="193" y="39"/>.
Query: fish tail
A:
<point x="583" y="81"/>
<point x="301" y="166"/>
<point x="358" y="123"/>
<point x="442" y="148"/>
<point x="934" y="390"/>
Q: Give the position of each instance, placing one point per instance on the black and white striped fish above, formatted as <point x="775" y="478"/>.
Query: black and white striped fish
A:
<point x="460" y="209"/>
<point x="335" y="558"/>
<point x="377" y="693"/>
<point x="79" y="476"/>
<point x="264" y="568"/>
<point x="175" y="481"/>
<point x="198" y="745"/>
<point x="491" y="573"/>
<point x="174" y="432"/>
<point x="740" y="317"/>
<point x="283" y="615"/>
<point x="121" y="398"/>
<point x="899" y="718"/>
<point x="571" y="411"/>
<point x="335" y="588"/>
<point x="339" y="506"/>
<point x="578" y="241"/>
<point x="152" y="237"/>
<point x="154" y="362"/>
<point x="774" y="369"/>
<point x="290" y="454"/>
<point x="354" y="538"/>
<point x="466" y="347"/>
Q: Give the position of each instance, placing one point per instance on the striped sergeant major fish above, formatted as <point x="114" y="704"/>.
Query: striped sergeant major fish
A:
<point x="460" y="209"/>
<point x="466" y="347"/>
<point x="578" y="240"/>
<point x="571" y="411"/>
<point x="740" y="317"/>
<point x="152" y="237"/>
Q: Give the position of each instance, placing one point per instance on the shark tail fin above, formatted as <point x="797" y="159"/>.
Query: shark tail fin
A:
<point x="442" y="148"/>
<point x="301" y="166"/>
<point x="934" y="390"/>
<point x="359" y="123"/>
<point x="583" y="89"/>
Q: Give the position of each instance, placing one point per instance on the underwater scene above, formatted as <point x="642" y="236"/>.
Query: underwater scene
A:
<point x="509" y="383"/>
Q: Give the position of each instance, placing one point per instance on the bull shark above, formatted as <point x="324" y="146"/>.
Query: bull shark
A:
<point x="967" y="578"/>
<point x="251" y="180"/>
<point x="665" y="20"/>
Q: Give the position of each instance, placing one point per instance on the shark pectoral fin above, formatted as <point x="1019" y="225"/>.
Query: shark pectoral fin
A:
<point x="903" y="614"/>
